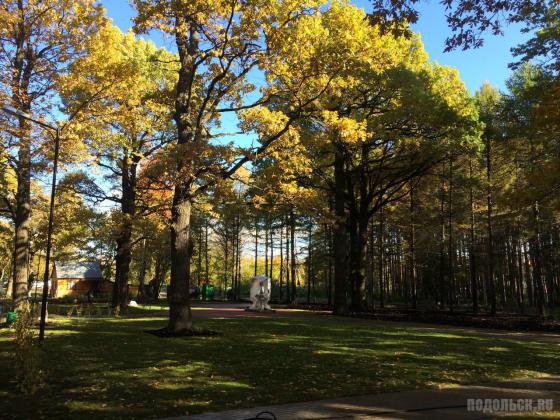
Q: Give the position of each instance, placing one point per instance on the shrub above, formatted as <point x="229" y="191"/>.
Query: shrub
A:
<point x="29" y="375"/>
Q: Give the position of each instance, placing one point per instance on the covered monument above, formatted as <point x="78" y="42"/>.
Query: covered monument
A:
<point x="260" y="294"/>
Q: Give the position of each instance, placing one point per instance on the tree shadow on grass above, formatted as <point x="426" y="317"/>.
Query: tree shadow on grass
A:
<point x="110" y="368"/>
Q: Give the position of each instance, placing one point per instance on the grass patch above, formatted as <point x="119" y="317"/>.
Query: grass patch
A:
<point x="107" y="367"/>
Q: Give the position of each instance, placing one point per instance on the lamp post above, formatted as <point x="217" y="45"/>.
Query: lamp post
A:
<point x="56" y="130"/>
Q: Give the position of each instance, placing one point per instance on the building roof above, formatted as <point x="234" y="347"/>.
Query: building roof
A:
<point x="90" y="270"/>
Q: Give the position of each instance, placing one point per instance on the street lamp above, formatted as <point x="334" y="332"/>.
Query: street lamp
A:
<point x="56" y="130"/>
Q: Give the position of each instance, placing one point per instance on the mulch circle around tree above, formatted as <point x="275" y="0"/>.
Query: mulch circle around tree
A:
<point x="165" y="333"/>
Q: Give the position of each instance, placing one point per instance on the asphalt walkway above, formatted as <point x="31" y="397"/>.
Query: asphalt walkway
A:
<point x="429" y="404"/>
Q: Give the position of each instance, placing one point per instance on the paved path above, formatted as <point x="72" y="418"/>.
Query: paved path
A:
<point x="429" y="404"/>
<point x="232" y="310"/>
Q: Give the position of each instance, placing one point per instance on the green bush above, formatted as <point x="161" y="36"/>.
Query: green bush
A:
<point x="29" y="375"/>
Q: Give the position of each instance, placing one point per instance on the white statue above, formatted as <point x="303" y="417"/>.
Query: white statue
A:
<point x="260" y="294"/>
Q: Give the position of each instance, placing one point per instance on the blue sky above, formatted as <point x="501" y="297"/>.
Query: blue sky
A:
<point x="489" y="63"/>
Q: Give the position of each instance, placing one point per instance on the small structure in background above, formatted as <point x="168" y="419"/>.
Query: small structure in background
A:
<point x="78" y="279"/>
<point x="260" y="294"/>
<point x="208" y="291"/>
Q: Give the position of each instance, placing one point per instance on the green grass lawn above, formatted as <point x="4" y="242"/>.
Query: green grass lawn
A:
<point x="105" y="367"/>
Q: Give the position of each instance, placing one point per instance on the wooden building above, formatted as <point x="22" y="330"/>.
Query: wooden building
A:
<point x="77" y="279"/>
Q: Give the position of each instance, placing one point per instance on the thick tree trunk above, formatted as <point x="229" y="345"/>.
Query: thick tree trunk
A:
<point x="358" y="226"/>
<point x="358" y="254"/>
<point x="21" y="77"/>
<point x="122" y="261"/>
<point x="22" y="218"/>
<point x="180" y="317"/>
<point x="124" y="241"/>
<point x="340" y="238"/>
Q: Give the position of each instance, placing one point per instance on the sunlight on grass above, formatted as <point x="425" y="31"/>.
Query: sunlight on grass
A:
<point x="107" y="367"/>
<point x="500" y="349"/>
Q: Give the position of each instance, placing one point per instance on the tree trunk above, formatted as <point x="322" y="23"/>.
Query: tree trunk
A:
<point x="281" y="273"/>
<point x="537" y="269"/>
<point x="180" y="317"/>
<point x="10" y="285"/>
<point x="256" y="245"/>
<point x="329" y="248"/>
<point x="288" y="259"/>
<point x="520" y="291"/>
<point x="206" y="256"/>
<point x="266" y="233"/>
<point x="358" y="254"/>
<point x="293" y="265"/>
<point x="226" y="260"/>
<point x="157" y="280"/>
<point x="21" y="77"/>
<point x="271" y="269"/>
<point x="413" y="271"/>
<point x="490" y="280"/>
<point x="199" y="256"/>
<point x="451" y="240"/>
<point x="472" y="244"/>
<point x="381" y="258"/>
<point x="238" y="262"/>
<point x="340" y="237"/>
<point x="142" y="279"/>
<point x="124" y="241"/>
<point x="528" y="275"/>
<point x="309" y="264"/>
<point x="22" y="217"/>
<point x="441" y="289"/>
